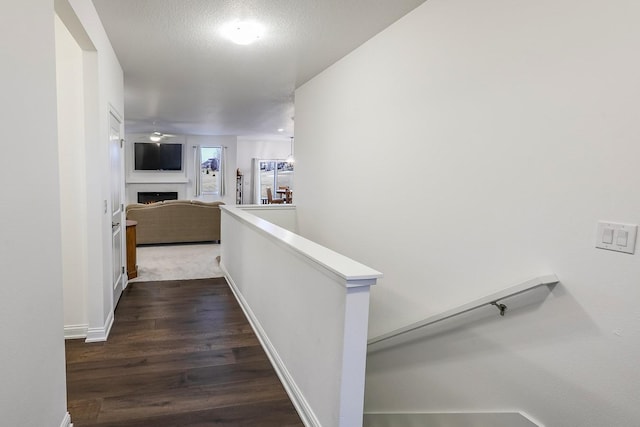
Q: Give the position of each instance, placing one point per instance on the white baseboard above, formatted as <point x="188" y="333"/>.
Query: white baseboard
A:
<point x="75" y="331"/>
<point x="101" y="333"/>
<point x="453" y="419"/>
<point x="308" y="417"/>
<point x="66" y="421"/>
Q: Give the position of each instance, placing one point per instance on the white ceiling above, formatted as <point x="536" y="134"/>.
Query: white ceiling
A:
<point x="182" y="77"/>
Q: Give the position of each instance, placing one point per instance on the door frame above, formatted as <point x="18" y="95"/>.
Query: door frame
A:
<point x="117" y="287"/>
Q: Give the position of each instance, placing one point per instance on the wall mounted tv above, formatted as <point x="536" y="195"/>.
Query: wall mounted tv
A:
<point x="150" y="156"/>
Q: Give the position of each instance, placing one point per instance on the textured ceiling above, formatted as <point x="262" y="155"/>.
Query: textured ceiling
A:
<point x="182" y="77"/>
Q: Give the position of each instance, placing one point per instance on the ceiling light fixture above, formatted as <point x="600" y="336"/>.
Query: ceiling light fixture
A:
<point x="242" y="32"/>
<point x="291" y="159"/>
<point x="155" y="136"/>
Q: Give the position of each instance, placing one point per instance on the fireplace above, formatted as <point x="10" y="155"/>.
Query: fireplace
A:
<point x="156" y="196"/>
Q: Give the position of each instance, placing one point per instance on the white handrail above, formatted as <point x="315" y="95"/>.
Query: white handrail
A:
<point x="493" y="299"/>
<point x="352" y="271"/>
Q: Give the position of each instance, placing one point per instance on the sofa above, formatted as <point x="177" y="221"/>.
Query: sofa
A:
<point x="175" y="221"/>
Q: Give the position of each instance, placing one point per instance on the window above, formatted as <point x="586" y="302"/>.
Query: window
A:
<point x="211" y="170"/>
<point x="275" y="174"/>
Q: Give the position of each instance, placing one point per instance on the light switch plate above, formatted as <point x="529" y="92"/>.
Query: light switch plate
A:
<point x="605" y="231"/>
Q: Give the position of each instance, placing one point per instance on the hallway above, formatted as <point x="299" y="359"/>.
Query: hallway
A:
<point x="180" y="353"/>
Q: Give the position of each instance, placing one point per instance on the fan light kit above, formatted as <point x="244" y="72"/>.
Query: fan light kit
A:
<point x="291" y="159"/>
<point x="159" y="136"/>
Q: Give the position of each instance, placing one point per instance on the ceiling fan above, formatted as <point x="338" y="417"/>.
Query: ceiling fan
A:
<point x="159" y="136"/>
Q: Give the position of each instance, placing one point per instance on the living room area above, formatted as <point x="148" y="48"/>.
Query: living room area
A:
<point x="175" y="204"/>
<point x="235" y="177"/>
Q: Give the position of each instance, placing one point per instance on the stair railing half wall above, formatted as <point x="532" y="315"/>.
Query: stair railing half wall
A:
<point x="309" y="307"/>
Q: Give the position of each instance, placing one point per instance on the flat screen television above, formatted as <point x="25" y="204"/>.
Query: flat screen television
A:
<point x="151" y="156"/>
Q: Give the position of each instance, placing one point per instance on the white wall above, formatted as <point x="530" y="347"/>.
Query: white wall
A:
<point x="479" y="143"/>
<point x="73" y="191"/>
<point x="32" y="392"/>
<point x="103" y="92"/>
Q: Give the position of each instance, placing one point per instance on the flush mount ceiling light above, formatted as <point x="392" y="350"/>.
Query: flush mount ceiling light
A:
<point x="242" y="32"/>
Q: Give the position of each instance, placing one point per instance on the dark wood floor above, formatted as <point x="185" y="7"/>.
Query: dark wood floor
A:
<point x="180" y="353"/>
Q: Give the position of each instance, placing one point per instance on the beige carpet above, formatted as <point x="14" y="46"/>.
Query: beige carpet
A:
<point x="177" y="262"/>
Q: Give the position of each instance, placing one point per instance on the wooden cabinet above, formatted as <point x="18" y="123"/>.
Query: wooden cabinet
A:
<point x="132" y="268"/>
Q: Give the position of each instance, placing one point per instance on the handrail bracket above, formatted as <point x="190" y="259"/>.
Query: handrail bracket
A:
<point x="500" y="307"/>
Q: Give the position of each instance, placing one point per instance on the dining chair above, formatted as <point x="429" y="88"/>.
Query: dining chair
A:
<point x="270" y="198"/>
